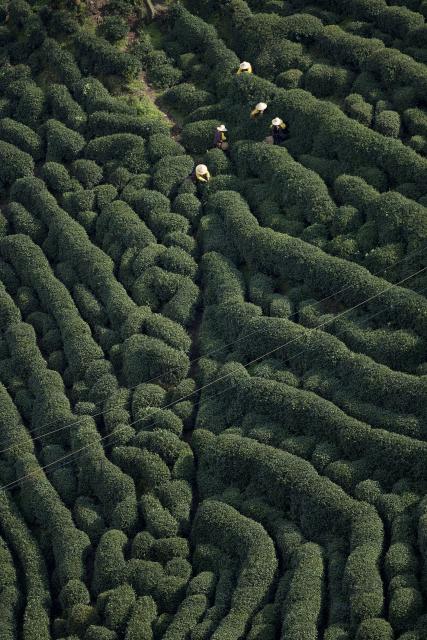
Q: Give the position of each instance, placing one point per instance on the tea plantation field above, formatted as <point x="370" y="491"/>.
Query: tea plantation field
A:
<point x="213" y="396"/>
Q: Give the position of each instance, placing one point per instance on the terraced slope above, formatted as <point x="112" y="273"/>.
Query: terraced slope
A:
<point x="213" y="397"/>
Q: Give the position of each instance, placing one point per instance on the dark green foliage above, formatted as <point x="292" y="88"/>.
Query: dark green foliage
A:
<point x="160" y="72"/>
<point x="23" y="221"/>
<point x="357" y="108"/>
<point x="145" y="358"/>
<point x="113" y="28"/>
<point x="97" y="56"/>
<point x="322" y="80"/>
<point x="405" y="607"/>
<point x="160" y="145"/>
<point x="14" y="163"/>
<point x="128" y="147"/>
<point x="62" y="66"/>
<point x="169" y="173"/>
<point x="143" y="614"/>
<point x="22" y="136"/>
<point x="19" y="12"/>
<point x="64" y="108"/>
<point x="56" y="177"/>
<point x="197" y="137"/>
<point x="375" y="629"/>
<point x="110" y="566"/>
<point x="388" y="123"/>
<point x="290" y="79"/>
<point x="87" y="172"/>
<point x="104" y="122"/>
<point x="300" y="512"/>
<point x="187" y="205"/>
<point x="186" y="97"/>
<point x="62" y="143"/>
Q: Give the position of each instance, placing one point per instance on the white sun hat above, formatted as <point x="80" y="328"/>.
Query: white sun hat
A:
<point x="245" y="65"/>
<point x="277" y="122"/>
<point x="261" y="106"/>
<point x="222" y="127"/>
<point x="201" y="169"/>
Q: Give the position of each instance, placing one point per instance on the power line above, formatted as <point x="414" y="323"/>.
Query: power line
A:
<point x="205" y="386"/>
<point x="194" y="360"/>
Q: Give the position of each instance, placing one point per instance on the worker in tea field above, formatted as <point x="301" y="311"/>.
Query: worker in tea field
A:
<point x="259" y="110"/>
<point x="220" y="139"/>
<point x="244" y="67"/>
<point x="201" y="173"/>
<point x="279" y="131"/>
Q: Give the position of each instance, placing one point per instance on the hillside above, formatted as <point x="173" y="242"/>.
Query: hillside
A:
<point x="213" y="396"/>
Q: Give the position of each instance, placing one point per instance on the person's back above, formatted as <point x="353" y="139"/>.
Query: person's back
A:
<point x="220" y="138"/>
<point x="279" y="131"/>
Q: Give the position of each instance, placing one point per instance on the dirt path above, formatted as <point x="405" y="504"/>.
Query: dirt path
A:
<point x="149" y="92"/>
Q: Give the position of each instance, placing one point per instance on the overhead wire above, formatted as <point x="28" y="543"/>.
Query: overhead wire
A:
<point x="206" y="385"/>
<point x="194" y="360"/>
<point x="198" y="403"/>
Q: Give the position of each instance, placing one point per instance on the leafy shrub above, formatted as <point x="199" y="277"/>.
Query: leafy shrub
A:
<point x="169" y="172"/>
<point x="14" y="163"/>
<point x="323" y="80"/>
<point x="22" y="136"/>
<point x="145" y="358"/>
<point x="97" y="56"/>
<point x="418" y="144"/>
<point x="405" y="607"/>
<point x="22" y="221"/>
<point x="290" y="79"/>
<point x="143" y="616"/>
<point x="127" y="147"/>
<point x="118" y="606"/>
<point x="357" y="108"/>
<point x="56" y="177"/>
<point x="87" y="172"/>
<point x="19" y="12"/>
<point x="375" y="629"/>
<point x="186" y="97"/>
<point x="58" y="60"/>
<point x="59" y="22"/>
<point x="197" y="137"/>
<point x="113" y="28"/>
<point x="64" y="108"/>
<point x="62" y="143"/>
<point x="110" y="566"/>
<point x="388" y="123"/>
<point x="160" y="72"/>
<point x="218" y="162"/>
<point x="161" y="145"/>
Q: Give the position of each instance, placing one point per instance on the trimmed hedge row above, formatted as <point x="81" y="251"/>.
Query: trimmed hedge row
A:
<point x="96" y="55"/>
<point x="319" y="505"/>
<point x="28" y="260"/>
<point x="292" y="184"/>
<point x="238" y="536"/>
<point x="278" y="254"/>
<point x="36" y="615"/>
<point x="14" y="163"/>
<point x="106" y="123"/>
<point x="301" y="608"/>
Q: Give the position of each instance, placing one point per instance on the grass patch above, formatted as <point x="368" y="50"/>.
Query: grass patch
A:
<point x="155" y="33"/>
<point x="137" y="97"/>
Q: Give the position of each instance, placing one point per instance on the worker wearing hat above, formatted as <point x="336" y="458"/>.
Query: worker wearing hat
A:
<point x="259" y="110"/>
<point x="244" y="67"/>
<point x="220" y="139"/>
<point x="202" y="173"/>
<point x="279" y="131"/>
